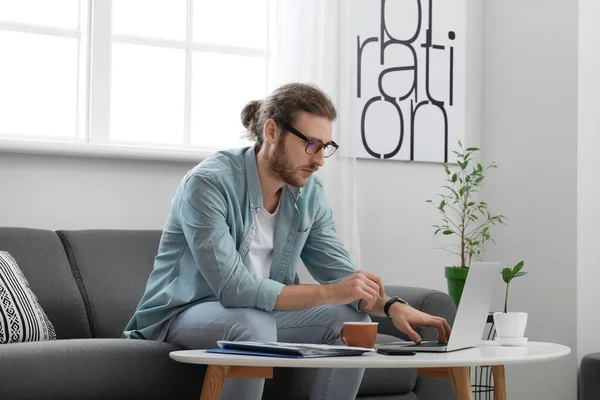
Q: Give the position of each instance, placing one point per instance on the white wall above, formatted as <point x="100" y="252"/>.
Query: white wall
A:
<point x="588" y="193"/>
<point x="55" y="192"/>
<point x="530" y="129"/>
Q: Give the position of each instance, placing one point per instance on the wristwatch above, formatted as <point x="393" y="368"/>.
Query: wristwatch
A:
<point x="391" y="301"/>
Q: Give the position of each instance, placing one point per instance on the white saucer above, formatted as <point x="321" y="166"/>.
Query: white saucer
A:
<point x="512" y="341"/>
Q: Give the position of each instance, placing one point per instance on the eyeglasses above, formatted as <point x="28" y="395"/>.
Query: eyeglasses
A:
<point x="312" y="146"/>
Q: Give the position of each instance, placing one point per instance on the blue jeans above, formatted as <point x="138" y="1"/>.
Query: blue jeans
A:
<point x="201" y="325"/>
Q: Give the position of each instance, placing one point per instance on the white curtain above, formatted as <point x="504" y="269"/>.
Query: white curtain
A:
<point x="309" y="43"/>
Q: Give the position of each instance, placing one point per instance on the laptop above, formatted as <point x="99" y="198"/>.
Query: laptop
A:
<point x="471" y="315"/>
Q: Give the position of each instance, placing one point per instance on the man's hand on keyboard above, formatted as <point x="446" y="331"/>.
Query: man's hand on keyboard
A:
<point x="407" y="319"/>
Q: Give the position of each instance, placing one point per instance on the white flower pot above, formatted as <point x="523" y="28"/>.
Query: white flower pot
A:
<point x="510" y="324"/>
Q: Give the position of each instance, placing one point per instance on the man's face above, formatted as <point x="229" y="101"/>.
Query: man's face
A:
<point x="289" y="160"/>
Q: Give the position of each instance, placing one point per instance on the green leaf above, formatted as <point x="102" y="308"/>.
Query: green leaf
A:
<point x="460" y="144"/>
<point x="472" y="149"/>
<point x="448" y="232"/>
<point x="506" y="275"/>
<point x="452" y="190"/>
<point x="520" y="274"/>
<point x="454" y="177"/>
<point x="518" y="267"/>
<point x="442" y="204"/>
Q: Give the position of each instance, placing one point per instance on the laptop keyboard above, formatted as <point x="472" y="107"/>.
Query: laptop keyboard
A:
<point x="429" y="344"/>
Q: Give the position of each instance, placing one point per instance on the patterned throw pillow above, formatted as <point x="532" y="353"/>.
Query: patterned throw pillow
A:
<point x="21" y="316"/>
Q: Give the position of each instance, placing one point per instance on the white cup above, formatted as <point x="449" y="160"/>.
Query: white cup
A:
<point x="510" y="324"/>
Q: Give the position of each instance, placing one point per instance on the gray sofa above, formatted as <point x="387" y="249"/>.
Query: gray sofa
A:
<point x="89" y="282"/>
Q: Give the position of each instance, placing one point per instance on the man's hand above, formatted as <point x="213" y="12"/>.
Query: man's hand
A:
<point x="407" y="319"/>
<point x="360" y="285"/>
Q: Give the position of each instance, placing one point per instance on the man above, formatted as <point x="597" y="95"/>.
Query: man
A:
<point x="239" y="223"/>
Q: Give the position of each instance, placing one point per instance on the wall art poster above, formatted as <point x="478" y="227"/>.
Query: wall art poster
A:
<point x="409" y="67"/>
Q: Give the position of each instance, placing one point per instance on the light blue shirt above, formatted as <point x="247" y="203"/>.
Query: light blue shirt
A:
<point x="205" y="242"/>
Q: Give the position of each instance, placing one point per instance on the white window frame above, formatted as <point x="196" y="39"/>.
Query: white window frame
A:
<point x="94" y="120"/>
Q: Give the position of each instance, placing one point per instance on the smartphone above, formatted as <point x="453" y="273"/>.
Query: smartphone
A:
<point x="395" y="352"/>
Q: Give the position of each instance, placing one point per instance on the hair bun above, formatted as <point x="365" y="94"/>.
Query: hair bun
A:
<point x="250" y="113"/>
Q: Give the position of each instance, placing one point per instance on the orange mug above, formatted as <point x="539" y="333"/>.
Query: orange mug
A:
<point x="359" y="334"/>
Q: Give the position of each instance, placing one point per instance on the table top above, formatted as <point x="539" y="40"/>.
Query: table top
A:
<point x="488" y="353"/>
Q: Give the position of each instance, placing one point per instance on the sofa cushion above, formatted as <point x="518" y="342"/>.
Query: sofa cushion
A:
<point x="86" y="369"/>
<point x="42" y="260"/>
<point x="113" y="267"/>
<point x="22" y="319"/>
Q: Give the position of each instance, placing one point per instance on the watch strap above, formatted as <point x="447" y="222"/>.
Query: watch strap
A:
<point x="391" y="301"/>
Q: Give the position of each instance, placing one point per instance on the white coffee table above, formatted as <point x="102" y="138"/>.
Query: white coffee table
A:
<point x="453" y="366"/>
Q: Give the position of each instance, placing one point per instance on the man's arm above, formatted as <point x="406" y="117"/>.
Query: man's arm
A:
<point x="202" y="213"/>
<point x="328" y="260"/>
<point x="407" y="319"/>
<point x="325" y="256"/>
<point x="358" y="286"/>
<point x="377" y="309"/>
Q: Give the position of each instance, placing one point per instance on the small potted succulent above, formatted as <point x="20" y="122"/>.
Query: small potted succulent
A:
<point x="510" y="326"/>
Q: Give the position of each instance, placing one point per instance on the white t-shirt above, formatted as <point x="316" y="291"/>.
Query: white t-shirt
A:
<point x="260" y="254"/>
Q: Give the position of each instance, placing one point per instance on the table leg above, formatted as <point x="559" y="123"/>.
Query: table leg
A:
<point x="459" y="377"/>
<point x="499" y="382"/>
<point x="214" y="380"/>
<point x="461" y="383"/>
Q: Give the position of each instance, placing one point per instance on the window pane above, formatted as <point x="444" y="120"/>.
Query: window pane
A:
<point x="164" y="19"/>
<point x="231" y="22"/>
<point x="147" y="94"/>
<point x="222" y="84"/>
<point x="38" y="85"/>
<point x="55" y="13"/>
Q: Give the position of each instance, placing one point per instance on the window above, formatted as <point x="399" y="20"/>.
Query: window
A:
<point x="42" y="81"/>
<point x="160" y="73"/>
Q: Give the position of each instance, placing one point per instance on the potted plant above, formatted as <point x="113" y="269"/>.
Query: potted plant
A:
<point x="510" y="326"/>
<point x="464" y="216"/>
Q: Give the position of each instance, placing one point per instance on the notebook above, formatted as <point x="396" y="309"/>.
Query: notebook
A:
<point x="287" y="350"/>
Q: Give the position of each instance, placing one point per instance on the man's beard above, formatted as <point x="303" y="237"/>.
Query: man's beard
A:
<point x="281" y="167"/>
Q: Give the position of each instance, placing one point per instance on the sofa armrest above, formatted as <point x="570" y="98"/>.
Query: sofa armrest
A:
<point x="429" y="301"/>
